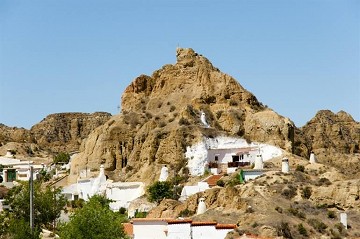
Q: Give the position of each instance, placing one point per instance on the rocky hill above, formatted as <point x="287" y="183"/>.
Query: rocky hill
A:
<point x="161" y="116"/>
<point x="335" y="139"/>
<point x="55" y="133"/>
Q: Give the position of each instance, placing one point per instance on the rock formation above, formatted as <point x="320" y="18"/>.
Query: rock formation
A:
<point x="335" y="140"/>
<point x="55" y="133"/>
<point x="161" y="116"/>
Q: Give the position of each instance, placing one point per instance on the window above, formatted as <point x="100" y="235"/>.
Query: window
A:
<point x="235" y="158"/>
<point x="216" y="158"/>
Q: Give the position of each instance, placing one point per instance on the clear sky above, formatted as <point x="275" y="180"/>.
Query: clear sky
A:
<point x="296" y="56"/>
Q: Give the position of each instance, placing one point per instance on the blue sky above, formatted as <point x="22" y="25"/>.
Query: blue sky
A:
<point x="296" y="56"/>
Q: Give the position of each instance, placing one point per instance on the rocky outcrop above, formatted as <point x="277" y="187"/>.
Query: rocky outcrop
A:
<point x="56" y="132"/>
<point x="335" y="140"/>
<point x="65" y="131"/>
<point x="161" y="116"/>
<point x="332" y="132"/>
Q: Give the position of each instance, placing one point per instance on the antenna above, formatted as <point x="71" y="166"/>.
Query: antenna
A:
<point x="118" y="107"/>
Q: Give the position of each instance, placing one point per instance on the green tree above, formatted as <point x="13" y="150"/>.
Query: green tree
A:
<point x="62" y="158"/>
<point x="94" y="220"/>
<point x="15" y="223"/>
<point x="48" y="204"/>
<point x="160" y="190"/>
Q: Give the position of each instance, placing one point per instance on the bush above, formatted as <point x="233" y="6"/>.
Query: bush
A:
<point x="331" y="214"/>
<point x="323" y="182"/>
<point x="306" y="192"/>
<point x="140" y="214"/>
<point x="300" y="168"/>
<point x="172" y="108"/>
<point x="302" y="230"/>
<point x="289" y="192"/>
<point x="220" y="183"/>
<point x="296" y="212"/>
<point x="62" y="157"/>
<point x="184" y="121"/>
<point x="284" y="230"/>
<point x="317" y="225"/>
<point x="279" y="209"/>
<point x="160" y="190"/>
<point x="122" y="210"/>
<point x="186" y="213"/>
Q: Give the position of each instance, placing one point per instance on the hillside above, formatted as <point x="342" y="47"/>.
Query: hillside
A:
<point x="55" y="133"/>
<point x="161" y="116"/>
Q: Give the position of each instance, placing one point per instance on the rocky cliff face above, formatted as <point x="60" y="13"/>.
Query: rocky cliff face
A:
<point x="161" y="116"/>
<point x="57" y="132"/>
<point x="331" y="132"/>
<point x="335" y="139"/>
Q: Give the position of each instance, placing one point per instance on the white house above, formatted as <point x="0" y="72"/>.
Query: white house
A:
<point x="187" y="191"/>
<point x="122" y="193"/>
<point x="225" y="154"/>
<point x="166" y="228"/>
<point x="16" y="169"/>
<point x="222" y="160"/>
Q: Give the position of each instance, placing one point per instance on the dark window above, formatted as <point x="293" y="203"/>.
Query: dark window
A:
<point x="216" y="158"/>
<point x="235" y="158"/>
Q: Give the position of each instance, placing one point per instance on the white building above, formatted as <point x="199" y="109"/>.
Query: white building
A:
<point x="122" y="193"/>
<point x="187" y="191"/>
<point x="16" y="169"/>
<point x="226" y="154"/>
<point x="165" y="228"/>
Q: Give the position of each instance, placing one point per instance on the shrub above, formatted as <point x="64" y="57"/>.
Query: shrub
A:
<point x="122" y="210"/>
<point x="284" y="230"/>
<point x="289" y="192"/>
<point x="279" y="209"/>
<point x="317" y="225"/>
<point x="302" y="230"/>
<point x="140" y="214"/>
<point x="162" y="124"/>
<point x="186" y="213"/>
<point x="160" y="190"/>
<point x="300" y="168"/>
<point x="183" y="121"/>
<point x="331" y="214"/>
<point x="172" y="108"/>
<point x="233" y="103"/>
<point x="62" y="158"/>
<point x="255" y="224"/>
<point x="322" y="182"/>
<point x="306" y="192"/>
<point x="296" y="212"/>
<point x="220" y="183"/>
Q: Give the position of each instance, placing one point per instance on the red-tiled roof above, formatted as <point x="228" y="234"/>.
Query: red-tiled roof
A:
<point x="179" y="221"/>
<point x="129" y="229"/>
<point x="151" y="219"/>
<point x="225" y="226"/>
<point x="204" y="223"/>
<point x="212" y="180"/>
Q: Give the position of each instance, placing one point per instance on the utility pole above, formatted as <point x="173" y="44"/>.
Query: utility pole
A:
<point x="31" y="200"/>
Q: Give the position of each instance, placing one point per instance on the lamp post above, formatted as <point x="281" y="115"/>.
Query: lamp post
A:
<point x="31" y="182"/>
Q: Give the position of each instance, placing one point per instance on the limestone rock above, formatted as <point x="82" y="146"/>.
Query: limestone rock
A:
<point x="161" y="116"/>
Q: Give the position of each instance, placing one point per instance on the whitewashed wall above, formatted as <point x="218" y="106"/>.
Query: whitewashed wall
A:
<point x="150" y="229"/>
<point x="179" y="231"/>
<point x="204" y="232"/>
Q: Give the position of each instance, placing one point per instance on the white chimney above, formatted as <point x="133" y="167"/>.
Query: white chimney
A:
<point x="164" y="174"/>
<point x="312" y="158"/>
<point x="9" y="153"/>
<point x="259" y="164"/>
<point x="201" y="207"/>
<point x="285" y="165"/>
<point x="343" y="219"/>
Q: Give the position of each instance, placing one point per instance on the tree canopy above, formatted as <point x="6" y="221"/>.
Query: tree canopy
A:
<point x="48" y="204"/>
<point x="94" y="220"/>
